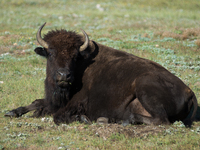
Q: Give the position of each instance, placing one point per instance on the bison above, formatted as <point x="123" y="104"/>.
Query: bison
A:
<point x="86" y="80"/>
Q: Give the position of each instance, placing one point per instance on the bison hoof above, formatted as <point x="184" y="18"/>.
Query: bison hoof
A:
<point x="11" y="114"/>
<point x="85" y="119"/>
<point x="16" y="112"/>
<point x="102" y="120"/>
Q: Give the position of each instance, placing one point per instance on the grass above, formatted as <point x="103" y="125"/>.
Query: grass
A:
<point x="167" y="32"/>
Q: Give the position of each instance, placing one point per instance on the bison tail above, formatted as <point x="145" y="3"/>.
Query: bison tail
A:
<point x="188" y="121"/>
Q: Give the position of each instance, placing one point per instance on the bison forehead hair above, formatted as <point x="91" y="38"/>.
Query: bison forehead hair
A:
<point x="63" y="40"/>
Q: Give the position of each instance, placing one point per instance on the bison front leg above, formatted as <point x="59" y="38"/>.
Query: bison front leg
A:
<point x="37" y="105"/>
<point x="74" y="111"/>
<point x="67" y="118"/>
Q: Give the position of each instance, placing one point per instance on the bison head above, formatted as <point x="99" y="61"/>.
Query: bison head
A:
<point x="61" y="48"/>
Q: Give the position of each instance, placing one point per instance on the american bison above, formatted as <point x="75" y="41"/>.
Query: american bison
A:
<point x="86" y="80"/>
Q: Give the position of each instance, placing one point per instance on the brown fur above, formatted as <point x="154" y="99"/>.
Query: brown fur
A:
<point x="139" y="109"/>
<point x="103" y="82"/>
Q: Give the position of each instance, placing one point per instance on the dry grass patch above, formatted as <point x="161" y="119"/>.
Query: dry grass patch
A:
<point x="146" y="35"/>
<point x="197" y="42"/>
<point x="180" y="34"/>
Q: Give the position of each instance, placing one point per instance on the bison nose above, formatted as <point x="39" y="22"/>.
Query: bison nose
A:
<point x="63" y="76"/>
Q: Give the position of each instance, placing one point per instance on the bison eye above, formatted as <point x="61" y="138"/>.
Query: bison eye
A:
<point x="50" y="52"/>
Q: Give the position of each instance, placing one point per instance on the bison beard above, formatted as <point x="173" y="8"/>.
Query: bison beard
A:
<point x="105" y="82"/>
<point x="60" y="97"/>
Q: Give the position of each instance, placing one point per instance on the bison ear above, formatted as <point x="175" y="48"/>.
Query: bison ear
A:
<point x="41" y="51"/>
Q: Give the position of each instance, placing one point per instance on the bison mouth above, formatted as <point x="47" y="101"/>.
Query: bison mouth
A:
<point x="63" y="84"/>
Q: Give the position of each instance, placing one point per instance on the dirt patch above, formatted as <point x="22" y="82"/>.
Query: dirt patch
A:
<point x="105" y="131"/>
<point x="14" y="44"/>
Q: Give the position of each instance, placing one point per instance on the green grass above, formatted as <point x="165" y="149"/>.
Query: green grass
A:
<point x="150" y="29"/>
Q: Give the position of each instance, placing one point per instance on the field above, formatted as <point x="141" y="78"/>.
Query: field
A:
<point x="167" y="32"/>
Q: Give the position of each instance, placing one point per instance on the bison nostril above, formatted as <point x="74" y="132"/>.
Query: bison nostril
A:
<point x="63" y="75"/>
<point x="68" y="76"/>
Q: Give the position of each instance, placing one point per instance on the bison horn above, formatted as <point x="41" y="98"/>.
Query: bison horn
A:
<point x="85" y="45"/>
<point x="39" y="38"/>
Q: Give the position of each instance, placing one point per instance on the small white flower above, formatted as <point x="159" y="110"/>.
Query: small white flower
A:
<point x="43" y="119"/>
<point x="98" y="6"/>
<point x="5" y="54"/>
<point x="64" y="125"/>
<point x="60" y="17"/>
